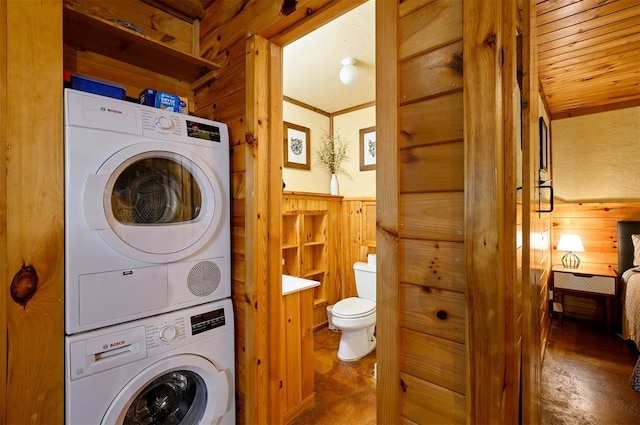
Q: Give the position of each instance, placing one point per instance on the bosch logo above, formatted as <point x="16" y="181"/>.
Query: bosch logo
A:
<point x="113" y="111"/>
<point x="116" y="344"/>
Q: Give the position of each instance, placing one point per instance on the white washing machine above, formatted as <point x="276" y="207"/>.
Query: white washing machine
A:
<point x="174" y="368"/>
<point x="147" y="214"/>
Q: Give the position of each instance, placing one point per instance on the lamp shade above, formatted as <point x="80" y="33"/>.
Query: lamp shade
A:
<point x="348" y="72"/>
<point x="571" y="243"/>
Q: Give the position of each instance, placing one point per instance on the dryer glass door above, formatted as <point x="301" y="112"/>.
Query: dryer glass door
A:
<point x="154" y="202"/>
<point x="155" y="190"/>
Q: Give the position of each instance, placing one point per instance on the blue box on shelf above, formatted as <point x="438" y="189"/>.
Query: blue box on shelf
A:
<point x="159" y="99"/>
<point x="97" y="87"/>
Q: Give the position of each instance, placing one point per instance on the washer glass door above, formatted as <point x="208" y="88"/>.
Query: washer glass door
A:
<point x="173" y="398"/>
<point x="183" y="389"/>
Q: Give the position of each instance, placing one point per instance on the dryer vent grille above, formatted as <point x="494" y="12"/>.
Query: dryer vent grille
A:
<point x="204" y="278"/>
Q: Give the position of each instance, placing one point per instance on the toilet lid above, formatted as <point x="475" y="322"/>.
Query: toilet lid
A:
<point x="353" y="308"/>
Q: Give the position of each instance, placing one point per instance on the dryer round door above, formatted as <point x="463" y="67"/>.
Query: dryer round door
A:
<point x="183" y="389"/>
<point x="154" y="202"/>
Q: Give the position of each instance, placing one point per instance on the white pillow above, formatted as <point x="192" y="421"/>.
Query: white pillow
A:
<point x="636" y="250"/>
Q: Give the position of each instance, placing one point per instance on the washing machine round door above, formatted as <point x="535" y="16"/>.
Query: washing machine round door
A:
<point x="183" y="389"/>
<point x="154" y="202"/>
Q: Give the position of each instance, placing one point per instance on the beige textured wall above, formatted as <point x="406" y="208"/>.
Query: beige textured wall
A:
<point x="357" y="183"/>
<point x="596" y="157"/>
<point x="316" y="180"/>
<point x="306" y="180"/>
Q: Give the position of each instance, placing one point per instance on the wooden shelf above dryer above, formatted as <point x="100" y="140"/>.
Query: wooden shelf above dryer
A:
<point x="95" y="34"/>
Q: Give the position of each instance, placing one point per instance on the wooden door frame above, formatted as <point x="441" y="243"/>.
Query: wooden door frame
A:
<point x="264" y="122"/>
<point x="3" y="208"/>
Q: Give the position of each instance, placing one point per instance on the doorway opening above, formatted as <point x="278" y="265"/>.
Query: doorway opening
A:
<point x="316" y="104"/>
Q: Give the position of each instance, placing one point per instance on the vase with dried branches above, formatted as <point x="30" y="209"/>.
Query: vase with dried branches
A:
<point x="331" y="153"/>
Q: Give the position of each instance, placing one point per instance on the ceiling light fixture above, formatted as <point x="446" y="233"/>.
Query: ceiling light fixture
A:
<point x="348" y="72"/>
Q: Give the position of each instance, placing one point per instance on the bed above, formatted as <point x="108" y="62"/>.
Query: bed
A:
<point x="629" y="271"/>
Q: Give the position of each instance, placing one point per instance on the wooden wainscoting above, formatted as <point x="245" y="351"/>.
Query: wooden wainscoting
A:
<point x="337" y="232"/>
<point x="358" y="238"/>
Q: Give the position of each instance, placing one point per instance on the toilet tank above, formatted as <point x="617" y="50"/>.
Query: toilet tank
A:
<point x="365" y="274"/>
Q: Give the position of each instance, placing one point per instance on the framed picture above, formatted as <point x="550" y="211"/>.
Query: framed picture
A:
<point x="297" y="146"/>
<point x="544" y="150"/>
<point x="368" y="148"/>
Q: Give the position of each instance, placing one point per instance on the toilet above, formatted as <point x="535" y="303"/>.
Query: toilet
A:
<point x="355" y="317"/>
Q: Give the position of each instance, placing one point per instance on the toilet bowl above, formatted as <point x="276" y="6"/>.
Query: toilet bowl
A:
<point x="355" y="317"/>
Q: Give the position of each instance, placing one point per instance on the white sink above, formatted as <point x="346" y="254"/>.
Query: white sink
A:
<point x="291" y="284"/>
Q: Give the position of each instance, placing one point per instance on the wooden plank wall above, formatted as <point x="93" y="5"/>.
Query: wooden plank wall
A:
<point x="596" y="224"/>
<point x="33" y="375"/>
<point x="431" y="254"/>
<point x="3" y="208"/>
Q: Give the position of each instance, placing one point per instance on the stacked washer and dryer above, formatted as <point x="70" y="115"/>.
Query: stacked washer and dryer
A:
<point x="148" y="317"/>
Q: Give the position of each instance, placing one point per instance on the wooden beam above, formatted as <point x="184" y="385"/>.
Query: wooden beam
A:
<point x="388" y="321"/>
<point x="34" y="213"/>
<point x="4" y="255"/>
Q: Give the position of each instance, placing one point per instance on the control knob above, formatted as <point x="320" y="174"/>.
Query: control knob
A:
<point x="163" y="122"/>
<point x="168" y="333"/>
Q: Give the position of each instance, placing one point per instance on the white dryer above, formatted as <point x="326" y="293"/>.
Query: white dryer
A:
<point x="147" y="215"/>
<point x="175" y="368"/>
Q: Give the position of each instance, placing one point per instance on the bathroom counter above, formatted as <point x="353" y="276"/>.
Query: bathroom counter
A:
<point x="291" y="284"/>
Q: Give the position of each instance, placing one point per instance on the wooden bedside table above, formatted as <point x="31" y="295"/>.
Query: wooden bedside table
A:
<point x="599" y="282"/>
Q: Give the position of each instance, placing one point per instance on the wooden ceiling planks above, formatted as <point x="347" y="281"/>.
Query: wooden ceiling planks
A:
<point x="588" y="54"/>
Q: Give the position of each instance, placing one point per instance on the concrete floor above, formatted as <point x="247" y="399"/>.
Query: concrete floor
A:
<point x="345" y="391"/>
<point x="585" y="380"/>
<point x="586" y="376"/>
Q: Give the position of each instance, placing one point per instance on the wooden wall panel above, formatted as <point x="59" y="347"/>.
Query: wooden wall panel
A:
<point x="431" y="210"/>
<point x="433" y="264"/>
<point x="433" y="311"/>
<point x="434" y="168"/>
<point x="424" y="402"/>
<point x="436" y="360"/>
<point x="432" y="121"/>
<point x="3" y="208"/>
<point x="445" y="73"/>
<point x="435" y="24"/>
<point x="358" y="217"/>
<point x="596" y="224"/>
<point x="440" y="216"/>
<point x="34" y="213"/>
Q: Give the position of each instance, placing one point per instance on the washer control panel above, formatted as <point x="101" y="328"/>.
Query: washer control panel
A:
<point x="161" y="333"/>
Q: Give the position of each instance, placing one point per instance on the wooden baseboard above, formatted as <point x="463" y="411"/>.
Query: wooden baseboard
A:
<point x="293" y="413"/>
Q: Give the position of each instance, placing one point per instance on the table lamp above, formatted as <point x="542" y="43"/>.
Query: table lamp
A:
<point x="571" y="244"/>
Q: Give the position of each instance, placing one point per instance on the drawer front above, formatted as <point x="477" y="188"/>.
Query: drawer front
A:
<point x="596" y="284"/>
